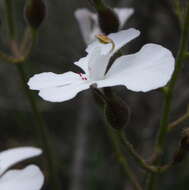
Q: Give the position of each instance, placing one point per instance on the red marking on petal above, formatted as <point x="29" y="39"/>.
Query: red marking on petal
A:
<point x="82" y="77"/>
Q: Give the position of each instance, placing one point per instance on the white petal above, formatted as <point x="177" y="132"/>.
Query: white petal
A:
<point x="61" y="94"/>
<point x="49" y="80"/>
<point x="97" y="64"/>
<point x="94" y="64"/>
<point x="123" y="14"/>
<point x="120" y="39"/>
<point x="87" y="23"/>
<point x="83" y="64"/>
<point x="29" y="178"/>
<point x="150" y="68"/>
<point x="12" y="156"/>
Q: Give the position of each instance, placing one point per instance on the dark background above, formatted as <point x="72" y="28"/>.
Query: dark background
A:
<point x="83" y="151"/>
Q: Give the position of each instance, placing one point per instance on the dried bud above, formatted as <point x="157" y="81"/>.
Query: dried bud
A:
<point x="183" y="147"/>
<point x="35" y="12"/>
<point x="107" y="18"/>
<point x="185" y="139"/>
<point x="179" y="156"/>
<point x="116" y="110"/>
<point x="108" y="21"/>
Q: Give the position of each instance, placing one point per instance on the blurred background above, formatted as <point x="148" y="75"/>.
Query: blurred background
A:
<point x="83" y="152"/>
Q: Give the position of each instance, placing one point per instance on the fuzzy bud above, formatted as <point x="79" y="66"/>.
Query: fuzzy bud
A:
<point x="35" y="12"/>
<point x="185" y="139"/>
<point x="107" y="18"/>
<point x="183" y="147"/>
<point x="179" y="156"/>
<point x="116" y="110"/>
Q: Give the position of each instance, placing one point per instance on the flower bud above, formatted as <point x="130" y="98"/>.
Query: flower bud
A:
<point x="35" y="12"/>
<point x="107" y="18"/>
<point x="116" y="110"/>
<point x="185" y="139"/>
<point x="179" y="156"/>
<point x="183" y="147"/>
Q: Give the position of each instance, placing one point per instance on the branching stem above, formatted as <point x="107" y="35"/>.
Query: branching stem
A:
<point x="160" y="143"/>
<point x="41" y="131"/>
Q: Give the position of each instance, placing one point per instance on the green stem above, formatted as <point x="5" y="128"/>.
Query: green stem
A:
<point x="168" y="96"/>
<point x="122" y="159"/>
<point x="130" y="149"/>
<point x="43" y="136"/>
<point x="150" y="181"/>
<point x="160" y="144"/>
<point x="181" y="119"/>
<point x="187" y="55"/>
<point x="40" y="128"/>
<point x="142" y="163"/>
<point x="10" y="59"/>
<point x="10" y="21"/>
<point x="98" y="4"/>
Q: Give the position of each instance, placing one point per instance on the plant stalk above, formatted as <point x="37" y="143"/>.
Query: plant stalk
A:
<point x="40" y="127"/>
<point x="122" y="159"/>
<point x="161" y="138"/>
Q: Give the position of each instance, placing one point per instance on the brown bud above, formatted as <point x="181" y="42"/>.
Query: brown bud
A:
<point x="107" y="18"/>
<point x="179" y="156"/>
<point x="185" y="139"/>
<point x="116" y="110"/>
<point x="108" y="21"/>
<point x="183" y="147"/>
<point x="35" y="12"/>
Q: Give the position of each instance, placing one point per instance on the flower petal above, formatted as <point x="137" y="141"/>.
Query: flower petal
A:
<point x="94" y="64"/>
<point x="120" y="39"/>
<point x="150" y="68"/>
<point x="123" y="14"/>
<point x="97" y="64"/>
<point x="88" y="24"/>
<point x="83" y="64"/>
<point x="61" y="94"/>
<point x="29" y="178"/>
<point x="49" y="80"/>
<point x="12" y="156"/>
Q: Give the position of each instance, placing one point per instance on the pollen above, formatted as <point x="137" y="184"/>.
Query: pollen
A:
<point x="105" y="40"/>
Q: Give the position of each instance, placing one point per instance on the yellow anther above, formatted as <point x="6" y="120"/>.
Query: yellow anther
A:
<point x="105" y="40"/>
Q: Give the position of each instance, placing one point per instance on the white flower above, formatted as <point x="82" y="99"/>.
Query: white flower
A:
<point x="29" y="178"/>
<point x="88" y="22"/>
<point x="148" y="69"/>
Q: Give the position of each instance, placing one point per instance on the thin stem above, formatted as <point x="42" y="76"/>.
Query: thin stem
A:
<point x="11" y="59"/>
<point x="122" y="159"/>
<point x="135" y="155"/>
<point x="28" y="42"/>
<point x="150" y="181"/>
<point x="168" y="96"/>
<point x="40" y="128"/>
<point x="9" y="16"/>
<point x="143" y="164"/>
<point x="186" y="55"/>
<point x="181" y="119"/>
